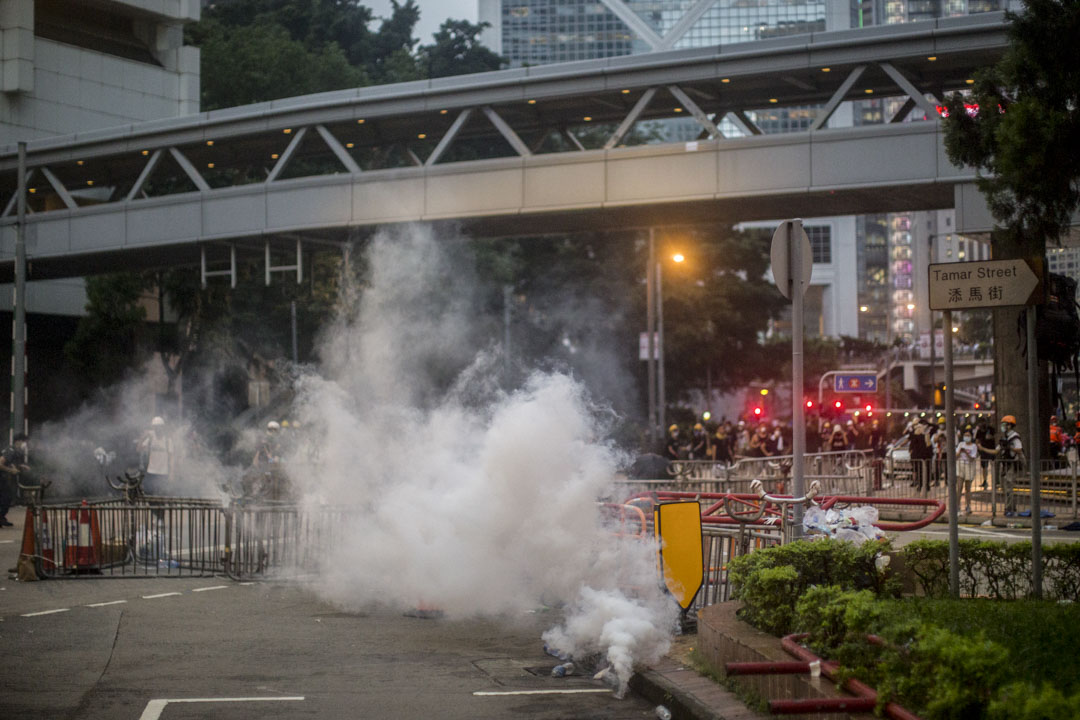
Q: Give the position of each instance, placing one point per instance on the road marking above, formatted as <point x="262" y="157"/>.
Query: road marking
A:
<point x="6" y="542"/>
<point x="103" y="604"/>
<point x="46" y="612"/>
<point x="493" y="693"/>
<point x="154" y="708"/>
<point x="205" y="589"/>
<point x="247" y="583"/>
<point x="155" y="597"/>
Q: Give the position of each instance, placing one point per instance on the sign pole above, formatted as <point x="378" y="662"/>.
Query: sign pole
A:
<point x="798" y="422"/>
<point x="950" y="461"/>
<point x="1033" y="455"/>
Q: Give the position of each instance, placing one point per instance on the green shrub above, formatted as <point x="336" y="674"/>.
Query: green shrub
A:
<point x="939" y="674"/>
<point x="1021" y="701"/>
<point x="769" y="601"/>
<point x="995" y="569"/>
<point x="838" y="622"/>
<point x="760" y="592"/>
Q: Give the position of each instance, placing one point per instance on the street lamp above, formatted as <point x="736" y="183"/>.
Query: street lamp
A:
<point x="654" y="299"/>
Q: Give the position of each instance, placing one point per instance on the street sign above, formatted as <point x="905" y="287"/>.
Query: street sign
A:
<point x="985" y="284"/>
<point x="682" y="562"/>
<point x="779" y="254"/>
<point x="643" y="346"/>
<point x="855" y="383"/>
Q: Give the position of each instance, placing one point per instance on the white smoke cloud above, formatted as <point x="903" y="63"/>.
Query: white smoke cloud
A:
<point x="63" y="452"/>
<point x="462" y="496"/>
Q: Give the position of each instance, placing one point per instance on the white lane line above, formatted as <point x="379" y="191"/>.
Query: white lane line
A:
<point x="155" y="597"/>
<point x="46" y="612"/>
<point x="247" y="583"/>
<point x="6" y="542"/>
<point x="205" y="589"/>
<point x="492" y="693"/>
<point x="154" y="708"/>
<point x="103" y="604"/>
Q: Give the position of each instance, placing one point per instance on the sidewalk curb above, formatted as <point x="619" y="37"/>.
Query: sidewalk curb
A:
<point x="658" y="690"/>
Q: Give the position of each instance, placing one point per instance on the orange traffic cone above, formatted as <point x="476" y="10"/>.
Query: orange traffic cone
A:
<point x="424" y="611"/>
<point x="28" y="535"/>
<point x="84" y="540"/>
<point x="25" y="569"/>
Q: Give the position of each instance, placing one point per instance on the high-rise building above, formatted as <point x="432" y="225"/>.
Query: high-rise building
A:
<point x="71" y="67"/>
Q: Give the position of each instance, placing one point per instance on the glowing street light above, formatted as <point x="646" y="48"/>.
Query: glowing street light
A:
<point x="678" y="257"/>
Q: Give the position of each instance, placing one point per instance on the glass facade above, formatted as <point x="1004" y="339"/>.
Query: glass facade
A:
<point x="537" y="32"/>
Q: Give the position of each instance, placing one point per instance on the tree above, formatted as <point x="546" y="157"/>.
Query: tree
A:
<point x="1020" y="127"/>
<point x="261" y="62"/>
<point x="105" y="345"/>
<point x="716" y="310"/>
<point x="457" y="51"/>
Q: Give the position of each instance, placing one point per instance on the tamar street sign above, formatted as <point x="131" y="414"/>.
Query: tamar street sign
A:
<point x="985" y="284"/>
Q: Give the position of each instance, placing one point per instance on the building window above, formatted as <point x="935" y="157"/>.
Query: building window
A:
<point x="820" y="242"/>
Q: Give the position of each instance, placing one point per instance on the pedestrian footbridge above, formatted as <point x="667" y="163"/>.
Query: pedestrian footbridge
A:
<point x="526" y="151"/>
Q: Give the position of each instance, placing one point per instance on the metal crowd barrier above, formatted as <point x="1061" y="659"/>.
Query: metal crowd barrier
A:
<point x="721" y="546"/>
<point x="1000" y="488"/>
<point x="267" y="539"/>
<point x="160" y="537"/>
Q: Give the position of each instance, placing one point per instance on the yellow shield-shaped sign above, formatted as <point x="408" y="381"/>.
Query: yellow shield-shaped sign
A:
<point x="681" y="559"/>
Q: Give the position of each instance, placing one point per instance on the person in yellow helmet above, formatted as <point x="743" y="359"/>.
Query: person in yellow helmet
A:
<point x="699" y="443"/>
<point x="673" y="448"/>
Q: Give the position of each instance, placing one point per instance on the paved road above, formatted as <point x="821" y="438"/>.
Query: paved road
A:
<point x="939" y="531"/>
<point x="117" y="645"/>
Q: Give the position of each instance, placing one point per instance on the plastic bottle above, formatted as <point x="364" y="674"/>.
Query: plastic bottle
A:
<point x="663" y="713"/>
<point x="562" y="670"/>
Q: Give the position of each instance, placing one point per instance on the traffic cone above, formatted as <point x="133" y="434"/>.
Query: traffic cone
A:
<point x="28" y="535"/>
<point x="424" y="611"/>
<point x="84" y="540"/>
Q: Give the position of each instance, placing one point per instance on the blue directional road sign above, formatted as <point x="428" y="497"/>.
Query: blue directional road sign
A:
<point x="855" y="383"/>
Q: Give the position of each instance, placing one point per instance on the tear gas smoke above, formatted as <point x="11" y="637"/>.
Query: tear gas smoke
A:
<point x="63" y="452"/>
<point x="464" y="496"/>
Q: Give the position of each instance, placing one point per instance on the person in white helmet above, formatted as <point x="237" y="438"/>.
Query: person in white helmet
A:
<point x="156" y="455"/>
<point x="269" y="451"/>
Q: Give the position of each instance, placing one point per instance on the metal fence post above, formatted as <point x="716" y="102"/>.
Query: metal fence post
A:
<point x="1072" y="470"/>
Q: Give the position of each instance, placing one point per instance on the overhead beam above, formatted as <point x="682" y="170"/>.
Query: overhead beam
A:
<point x="189" y="169"/>
<point x="286" y="156"/>
<point x="837" y="97"/>
<point x="507" y="132"/>
<point x="447" y="139"/>
<point x="630" y="119"/>
<point x="337" y="148"/>
<point x="144" y="175"/>
<point x="700" y="115"/>
<point x="930" y="108"/>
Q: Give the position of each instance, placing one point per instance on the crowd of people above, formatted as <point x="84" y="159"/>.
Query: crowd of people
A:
<point x="731" y="441"/>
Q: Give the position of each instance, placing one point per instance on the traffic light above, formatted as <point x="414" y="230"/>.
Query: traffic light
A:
<point x="838" y="407"/>
<point x="757" y="412"/>
<point x="809" y="404"/>
<point x="939" y="395"/>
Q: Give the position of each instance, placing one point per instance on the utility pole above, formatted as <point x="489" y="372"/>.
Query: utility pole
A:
<point x="650" y="329"/>
<point x="18" y="360"/>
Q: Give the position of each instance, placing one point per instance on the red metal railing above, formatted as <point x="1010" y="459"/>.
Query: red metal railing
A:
<point x="865" y="697"/>
<point x="752" y="509"/>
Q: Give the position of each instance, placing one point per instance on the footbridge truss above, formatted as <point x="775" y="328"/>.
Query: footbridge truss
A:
<point x="526" y="151"/>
